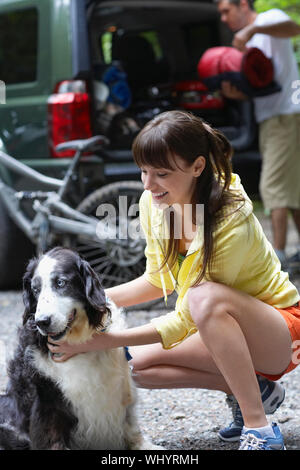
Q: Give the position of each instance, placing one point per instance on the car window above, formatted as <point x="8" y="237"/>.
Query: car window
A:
<point x="108" y="38"/>
<point x="199" y="37"/>
<point x="18" y="46"/>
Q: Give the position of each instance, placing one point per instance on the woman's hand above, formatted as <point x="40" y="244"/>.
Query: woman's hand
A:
<point x="62" y="351"/>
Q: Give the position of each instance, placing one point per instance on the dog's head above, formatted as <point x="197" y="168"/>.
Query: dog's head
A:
<point x="63" y="295"/>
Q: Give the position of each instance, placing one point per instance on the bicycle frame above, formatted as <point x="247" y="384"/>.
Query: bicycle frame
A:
<point x="45" y="203"/>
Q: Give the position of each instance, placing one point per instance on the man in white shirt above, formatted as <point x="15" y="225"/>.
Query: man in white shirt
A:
<point x="278" y="115"/>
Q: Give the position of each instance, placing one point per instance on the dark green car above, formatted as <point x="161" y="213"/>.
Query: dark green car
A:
<point x="77" y="68"/>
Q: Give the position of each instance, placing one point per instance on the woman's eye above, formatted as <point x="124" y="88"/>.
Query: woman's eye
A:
<point x="160" y="174"/>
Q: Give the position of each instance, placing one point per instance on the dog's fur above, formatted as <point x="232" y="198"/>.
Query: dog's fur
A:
<point x="86" y="402"/>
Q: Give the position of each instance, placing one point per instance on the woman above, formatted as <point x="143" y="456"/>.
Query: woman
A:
<point x="235" y="314"/>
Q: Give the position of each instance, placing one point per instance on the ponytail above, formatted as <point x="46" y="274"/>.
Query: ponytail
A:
<point x="215" y="191"/>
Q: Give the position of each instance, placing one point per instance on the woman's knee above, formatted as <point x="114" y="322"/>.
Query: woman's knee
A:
<point x="206" y="301"/>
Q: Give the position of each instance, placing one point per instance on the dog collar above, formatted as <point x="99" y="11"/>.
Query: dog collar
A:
<point x="127" y="353"/>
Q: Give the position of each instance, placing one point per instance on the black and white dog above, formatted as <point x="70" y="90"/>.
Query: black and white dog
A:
<point x="86" y="402"/>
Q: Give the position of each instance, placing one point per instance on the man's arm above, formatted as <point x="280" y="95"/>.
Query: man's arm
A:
<point x="283" y="30"/>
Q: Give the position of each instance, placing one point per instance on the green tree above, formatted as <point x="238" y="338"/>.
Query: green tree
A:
<point x="291" y="7"/>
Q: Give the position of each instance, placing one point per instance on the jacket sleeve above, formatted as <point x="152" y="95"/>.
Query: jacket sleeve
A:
<point x="176" y="326"/>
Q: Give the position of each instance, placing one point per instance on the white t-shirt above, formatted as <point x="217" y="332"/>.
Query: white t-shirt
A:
<point x="286" y="71"/>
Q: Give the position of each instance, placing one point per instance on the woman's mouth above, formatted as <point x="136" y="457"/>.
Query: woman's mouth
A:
<point x="159" y="196"/>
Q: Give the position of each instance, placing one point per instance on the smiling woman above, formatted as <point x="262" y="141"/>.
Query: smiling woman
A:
<point x="236" y="311"/>
<point x="178" y="174"/>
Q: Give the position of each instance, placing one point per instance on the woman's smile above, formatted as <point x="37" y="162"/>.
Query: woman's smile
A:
<point x="159" y="196"/>
<point x="170" y="186"/>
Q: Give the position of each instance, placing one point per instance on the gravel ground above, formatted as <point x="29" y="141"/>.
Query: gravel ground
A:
<point x="181" y="419"/>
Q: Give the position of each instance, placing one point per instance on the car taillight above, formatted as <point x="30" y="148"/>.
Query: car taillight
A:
<point x="193" y="94"/>
<point x="69" y="115"/>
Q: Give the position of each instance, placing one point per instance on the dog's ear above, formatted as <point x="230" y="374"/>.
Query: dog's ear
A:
<point x="28" y="297"/>
<point x="94" y="294"/>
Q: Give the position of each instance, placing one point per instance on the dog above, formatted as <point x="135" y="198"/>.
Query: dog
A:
<point x="86" y="402"/>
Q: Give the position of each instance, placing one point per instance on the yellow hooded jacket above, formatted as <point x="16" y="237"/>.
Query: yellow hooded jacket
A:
<point x="243" y="259"/>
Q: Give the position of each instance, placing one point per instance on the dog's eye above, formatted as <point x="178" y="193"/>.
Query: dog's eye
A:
<point x="60" y="283"/>
<point x="35" y="290"/>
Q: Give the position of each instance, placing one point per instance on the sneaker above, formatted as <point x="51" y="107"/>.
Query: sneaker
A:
<point x="272" y="395"/>
<point x="294" y="263"/>
<point x="253" y="440"/>
<point x="282" y="258"/>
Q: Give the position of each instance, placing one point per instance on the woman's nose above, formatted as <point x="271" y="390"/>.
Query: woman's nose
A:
<point x="147" y="182"/>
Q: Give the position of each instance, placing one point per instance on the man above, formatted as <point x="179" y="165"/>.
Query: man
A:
<point x="278" y="115"/>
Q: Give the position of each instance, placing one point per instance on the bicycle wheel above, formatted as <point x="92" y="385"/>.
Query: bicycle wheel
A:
<point x="124" y="261"/>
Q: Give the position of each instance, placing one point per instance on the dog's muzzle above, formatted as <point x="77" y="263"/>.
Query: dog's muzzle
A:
<point x="45" y="326"/>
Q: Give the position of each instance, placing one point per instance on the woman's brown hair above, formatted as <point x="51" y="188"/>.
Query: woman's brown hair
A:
<point x="186" y="135"/>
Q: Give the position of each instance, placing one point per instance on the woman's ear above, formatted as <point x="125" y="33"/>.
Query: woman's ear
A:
<point x="199" y="165"/>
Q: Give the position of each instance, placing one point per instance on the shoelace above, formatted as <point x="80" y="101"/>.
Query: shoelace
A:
<point x="250" y="441"/>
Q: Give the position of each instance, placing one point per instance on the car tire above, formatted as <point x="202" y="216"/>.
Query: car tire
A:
<point x="15" y="251"/>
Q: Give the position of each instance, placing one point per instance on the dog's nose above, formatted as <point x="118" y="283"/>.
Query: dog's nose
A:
<point x="43" y="322"/>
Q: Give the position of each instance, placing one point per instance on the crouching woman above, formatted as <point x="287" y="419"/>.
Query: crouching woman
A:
<point x="237" y="313"/>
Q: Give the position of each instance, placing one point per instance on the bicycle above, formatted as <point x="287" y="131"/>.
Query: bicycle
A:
<point x="48" y="219"/>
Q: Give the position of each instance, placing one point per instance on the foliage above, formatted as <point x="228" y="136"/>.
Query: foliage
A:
<point x="291" y="7"/>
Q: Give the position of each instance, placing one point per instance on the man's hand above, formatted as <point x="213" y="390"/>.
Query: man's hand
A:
<point x="242" y="37"/>
<point x="231" y="92"/>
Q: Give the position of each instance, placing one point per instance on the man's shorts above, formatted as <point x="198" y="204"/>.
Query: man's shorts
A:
<point x="279" y="140"/>
<point x="292" y="318"/>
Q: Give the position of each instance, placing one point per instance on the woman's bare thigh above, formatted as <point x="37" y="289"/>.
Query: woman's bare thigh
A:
<point x="191" y="353"/>
<point x="265" y="330"/>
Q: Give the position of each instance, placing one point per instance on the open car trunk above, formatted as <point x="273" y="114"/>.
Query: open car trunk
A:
<point x="144" y="57"/>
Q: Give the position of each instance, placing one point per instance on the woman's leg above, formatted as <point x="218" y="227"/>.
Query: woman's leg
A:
<point x="188" y="365"/>
<point x="242" y="335"/>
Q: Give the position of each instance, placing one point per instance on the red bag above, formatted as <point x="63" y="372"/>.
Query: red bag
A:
<point x="253" y="64"/>
<point x="257" y="67"/>
<point x="217" y="60"/>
